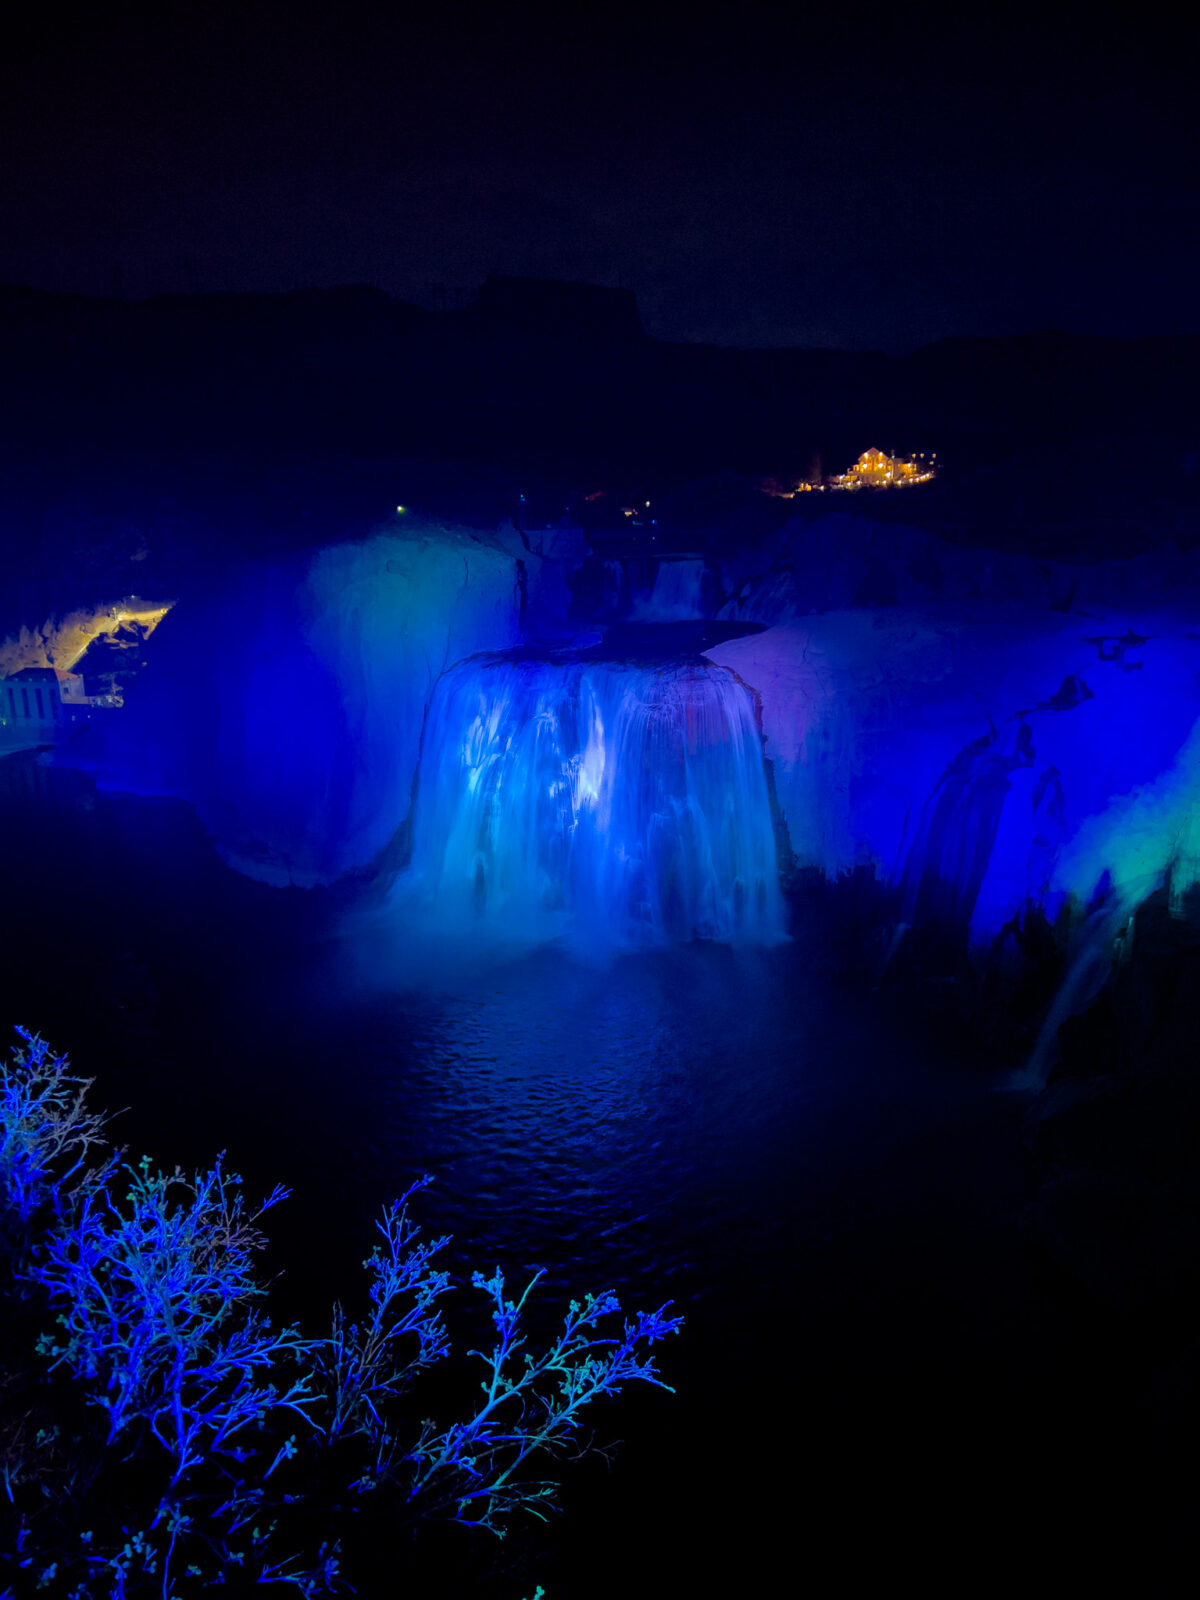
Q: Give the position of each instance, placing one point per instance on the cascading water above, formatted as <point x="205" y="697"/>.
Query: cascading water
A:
<point x="626" y="803"/>
<point x="675" y="593"/>
<point x="957" y="831"/>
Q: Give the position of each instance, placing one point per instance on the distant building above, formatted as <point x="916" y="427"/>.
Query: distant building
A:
<point x="42" y="699"/>
<point x="875" y="469"/>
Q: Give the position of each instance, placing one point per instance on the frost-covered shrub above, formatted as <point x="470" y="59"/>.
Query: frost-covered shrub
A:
<point x="158" y="1313"/>
<point x="52" y="1146"/>
<point x="164" y="1436"/>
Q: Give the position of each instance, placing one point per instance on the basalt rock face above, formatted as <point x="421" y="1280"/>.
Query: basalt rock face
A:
<point x="995" y="738"/>
<point x="988" y="759"/>
<point x="850" y="559"/>
<point x="960" y="724"/>
<point x="858" y="558"/>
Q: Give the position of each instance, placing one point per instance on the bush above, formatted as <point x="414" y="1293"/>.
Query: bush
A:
<point x="166" y="1436"/>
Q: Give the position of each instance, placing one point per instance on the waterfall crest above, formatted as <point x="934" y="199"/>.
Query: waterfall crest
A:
<point x="624" y="803"/>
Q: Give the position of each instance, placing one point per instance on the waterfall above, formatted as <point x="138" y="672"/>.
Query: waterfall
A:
<point x="952" y="849"/>
<point x="623" y="803"/>
<point x="675" y="593"/>
<point x="1104" y="938"/>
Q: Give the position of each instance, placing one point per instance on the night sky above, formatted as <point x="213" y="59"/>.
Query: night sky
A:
<point x="859" y="181"/>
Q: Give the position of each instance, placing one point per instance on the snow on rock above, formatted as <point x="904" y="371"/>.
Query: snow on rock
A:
<point x="985" y="756"/>
<point x="1140" y="832"/>
<point x="288" y="706"/>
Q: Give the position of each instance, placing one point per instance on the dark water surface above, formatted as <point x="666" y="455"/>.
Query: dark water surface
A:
<point x="876" y="1386"/>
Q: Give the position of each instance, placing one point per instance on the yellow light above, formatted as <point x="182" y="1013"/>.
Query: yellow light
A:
<point x="400" y="511"/>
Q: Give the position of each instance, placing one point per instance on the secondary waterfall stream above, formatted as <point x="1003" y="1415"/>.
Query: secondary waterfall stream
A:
<point x="623" y="802"/>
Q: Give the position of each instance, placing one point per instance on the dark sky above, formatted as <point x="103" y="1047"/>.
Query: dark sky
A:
<point x="854" y="181"/>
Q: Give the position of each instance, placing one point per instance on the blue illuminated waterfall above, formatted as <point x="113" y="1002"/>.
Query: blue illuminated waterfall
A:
<point x="622" y="803"/>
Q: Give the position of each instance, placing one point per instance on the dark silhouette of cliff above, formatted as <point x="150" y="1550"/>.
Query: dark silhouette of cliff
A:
<point x="541" y="306"/>
<point x="293" y="418"/>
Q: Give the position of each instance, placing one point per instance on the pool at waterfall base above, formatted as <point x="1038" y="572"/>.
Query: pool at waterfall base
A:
<point x="876" y="1376"/>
